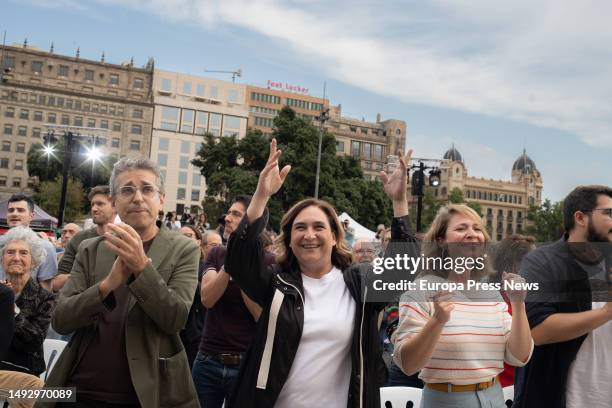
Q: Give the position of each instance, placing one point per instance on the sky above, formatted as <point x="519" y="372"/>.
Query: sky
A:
<point x="491" y="77"/>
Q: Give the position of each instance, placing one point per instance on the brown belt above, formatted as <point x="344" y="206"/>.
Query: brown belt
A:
<point x="227" y="358"/>
<point x="446" y="387"/>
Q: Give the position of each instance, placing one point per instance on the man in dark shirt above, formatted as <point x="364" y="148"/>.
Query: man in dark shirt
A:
<point x="127" y="298"/>
<point x="567" y="313"/>
<point x="102" y="214"/>
<point x="230" y="322"/>
<point x="7" y="317"/>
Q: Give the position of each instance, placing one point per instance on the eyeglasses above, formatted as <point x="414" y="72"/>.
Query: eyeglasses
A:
<point x="146" y="191"/>
<point x="606" y="211"/>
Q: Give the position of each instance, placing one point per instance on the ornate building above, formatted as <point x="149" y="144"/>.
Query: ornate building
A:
<point x="505" y="204"/>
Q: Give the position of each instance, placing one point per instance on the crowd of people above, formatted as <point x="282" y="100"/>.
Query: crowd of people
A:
<point x="167" y="313"/>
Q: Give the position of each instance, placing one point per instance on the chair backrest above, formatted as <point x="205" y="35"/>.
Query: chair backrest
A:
<point x="508" y="395"/>
<point x="52" y="349"/>
<point x="400" y="397"/>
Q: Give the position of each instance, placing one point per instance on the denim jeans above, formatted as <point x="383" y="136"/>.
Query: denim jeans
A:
<point x="213" y="380"/>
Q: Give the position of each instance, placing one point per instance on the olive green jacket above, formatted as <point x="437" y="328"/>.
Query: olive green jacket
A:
<point x="161" y="298"/>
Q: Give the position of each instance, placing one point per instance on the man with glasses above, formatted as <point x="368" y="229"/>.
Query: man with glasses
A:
<point x="230" y="321"/>
<point x="127" y="298"/>
<point x="364" y="250"/>
<point x="571" y="364"/>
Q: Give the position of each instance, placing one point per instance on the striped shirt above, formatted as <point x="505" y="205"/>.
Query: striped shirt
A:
<point x="473" y="344"/>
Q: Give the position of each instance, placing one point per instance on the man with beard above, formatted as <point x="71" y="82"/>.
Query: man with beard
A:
<point x="230" y="321"/>
<point x="102" y="214"/>
<point x="127" y="299"/>
<point x="571" y="364"/>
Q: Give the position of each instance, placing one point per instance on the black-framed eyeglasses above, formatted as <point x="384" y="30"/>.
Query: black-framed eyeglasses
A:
<point x="606" y="211"/>
<point x="146" y="191"/>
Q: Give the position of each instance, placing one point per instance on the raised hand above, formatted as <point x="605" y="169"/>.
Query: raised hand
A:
<point x="518" y="282"/>
<point x="271" y="177"/>
<point x="442" y="306"/>
<point x="395" y="183"/>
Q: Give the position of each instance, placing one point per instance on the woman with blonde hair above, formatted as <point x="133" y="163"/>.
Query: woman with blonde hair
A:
<point x="459" y="340"/>
<point x="316" y="343"/>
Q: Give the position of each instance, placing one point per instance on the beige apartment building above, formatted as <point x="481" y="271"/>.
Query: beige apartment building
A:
<point x="40" y="88"/>
<point x="505" y="203"/>
<point x="186" y="108"/>
<point x="369" y="142"/>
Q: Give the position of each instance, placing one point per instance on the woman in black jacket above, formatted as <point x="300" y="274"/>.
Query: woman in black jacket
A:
<point x="21" y="251"/>
<point x="317" y="341"/>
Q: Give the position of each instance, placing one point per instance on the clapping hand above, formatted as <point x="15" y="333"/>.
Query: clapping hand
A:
<point x="516" y="281"/>
<point x="395" y="183"/>
<point x="442" y="306"/>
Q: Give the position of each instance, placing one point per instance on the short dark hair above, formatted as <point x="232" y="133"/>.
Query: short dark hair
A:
<point x="22" y="197"/>
<point x="245" y="200"/>
<point x="582" y="198"/>
<point x="510" y="252"/>
<point x="104" y="190"/>
<point x="197" y="233"/>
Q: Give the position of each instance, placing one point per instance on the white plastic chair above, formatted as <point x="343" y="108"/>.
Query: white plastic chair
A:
<point x="508" y="395"/>
<point x="400" y="397"/>
<point x="52" y="349"/>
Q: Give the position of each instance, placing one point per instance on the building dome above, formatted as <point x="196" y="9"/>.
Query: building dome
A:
<point x="524" y="164"/>
<point x="453" y="154"/>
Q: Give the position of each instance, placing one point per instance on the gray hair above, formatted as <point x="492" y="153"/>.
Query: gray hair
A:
<point x="208" y="234"/>
<point x="135" y="163"/>
<point x="25" y="234"/>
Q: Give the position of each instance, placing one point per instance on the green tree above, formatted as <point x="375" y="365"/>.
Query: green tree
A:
<point x="456" y="196"/>
<point x="547" y="221"/>
<point x="48" y="198"/>
<point x="232" y="167"/>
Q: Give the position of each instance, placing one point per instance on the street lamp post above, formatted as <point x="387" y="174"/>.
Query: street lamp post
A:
<point x="418" y="184"/>
<point x="72" y="137"/>
<point x="323" y="118"/>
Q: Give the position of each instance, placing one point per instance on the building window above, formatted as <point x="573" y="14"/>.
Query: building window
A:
<point x="195" y="195"/>
<point x="63" y="70"/>
<point x="51" y="117"/>
<point x="36" y="133"/>
<point x="24" y="114"/>
<point x="104" y="124"/>
<point x="215" y="120"/>
<point x="116" y="126"/>
<point x="182" y="177"/>
<point x="9" y="61"/>
<point x="115" y="142"/>
<point x="91" y="122"/>
<point x="89" y="75"/>
<point x="231" y="122"/>
<point x="187" y="121"/>
<point x="201" y="123"/>
<point x="164" y="143"/>
<point x="65" y="120"/>
<point x="162" y="159"/>
<point x="180" y="193"/>
<point x="256" y="96"/>
<point x="355" y="148"/>
<point x="22" y="131"/>
<point x="136" y="129"/>
<point x="196" y="179"/>
<point x="339" y="146"/>
<point x="37" y="67"/>
<point x="101" y="141"/>
<point x="114" y="79"/>
<point x="134" y="144"/>
<point x="187" y="88"/>
<point x="170" y="117"/>
<point x="38" y="116"/>
<point x="367" y="150"/>
<point x="6" y="146"/>
<point x="4" y="163"/>
<point x="184" y="162"/>
<point x="16" y="182"/>
<point x="214" y="92"/>
<point x="20" y="148"/>
<point x="3" y="181"/>
<point x="185" y="147"/>
<point x="18" y="164"/>
<point x="137" y="113"/>
<point x="9" y="112"/>
<point x="138" y="83"/>
<point x="166" y="85"/>
<point x="232" y="96"/>
<point x="264" y="122"/>
<point x="378" y="149"/>
<point x="78" y="121"/>
<point x="200" y="90"/>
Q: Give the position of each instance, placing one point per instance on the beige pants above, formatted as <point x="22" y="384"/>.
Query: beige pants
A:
<point x="13" y="380"/>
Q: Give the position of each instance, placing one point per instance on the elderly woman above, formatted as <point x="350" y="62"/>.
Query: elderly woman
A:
<point x="460" y="340"/>
<point x="21" y="251"/>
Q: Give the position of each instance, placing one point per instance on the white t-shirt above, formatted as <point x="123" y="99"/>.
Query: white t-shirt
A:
<point x="590" y="375"/>
<point x="321" y="371"/>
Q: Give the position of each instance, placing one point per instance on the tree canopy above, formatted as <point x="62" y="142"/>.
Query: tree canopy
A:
<point x="231" y="167"/>
<point x="547" y="221"/>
